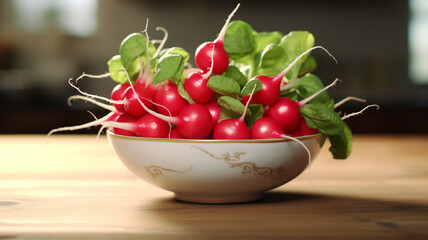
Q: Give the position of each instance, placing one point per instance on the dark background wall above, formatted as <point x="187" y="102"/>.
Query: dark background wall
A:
<point x="369" y="38"/>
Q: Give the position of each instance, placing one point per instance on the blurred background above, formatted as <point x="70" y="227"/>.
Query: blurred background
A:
<point x="381" y="47"/>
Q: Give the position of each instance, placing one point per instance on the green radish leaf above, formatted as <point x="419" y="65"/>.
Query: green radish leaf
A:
<point x="228" y="114"/>
<point x="341" y="143"/>
<point x="310" y="84"/>
<point x="272" y="60"/>
<point x="308" y="66"/>
<point x="224" y="85"/>
<point x="256" y="111"/>
<point x="117" y="70"/>
<point x="170" y="66"/>
<point x="248" y="64"/>
<point x="183" y="93"/>
<point x="178" y="50"/>
<point x="239" y="40"/>
<point x="291" y="94"/>
<point x="294" y="44"/>
<point x="248" y="88"/>
<point x="263" y="39"/>
<point x="234" y="73"/>
<point x="322" y="117"/>
<point x="328" y="122"/>
<point x="134" y="46"/>
<point x="232" y="104"/>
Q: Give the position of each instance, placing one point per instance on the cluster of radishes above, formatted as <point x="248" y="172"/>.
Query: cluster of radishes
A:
<point x="159" y="111"/>
<point x="189" y="107"/>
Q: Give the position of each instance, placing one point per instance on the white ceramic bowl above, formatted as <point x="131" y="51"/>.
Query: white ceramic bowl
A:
<point x="216" y="171"/>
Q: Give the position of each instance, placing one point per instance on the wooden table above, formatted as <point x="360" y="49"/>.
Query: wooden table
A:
<point x="74" y="187"/>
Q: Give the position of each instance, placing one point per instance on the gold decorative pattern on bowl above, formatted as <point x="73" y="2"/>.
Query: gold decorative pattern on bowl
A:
<point x="156" y="171"/>
<point x="247" y="167"/>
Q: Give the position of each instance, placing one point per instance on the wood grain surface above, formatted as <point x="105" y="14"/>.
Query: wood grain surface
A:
<point x="74" y="187"/>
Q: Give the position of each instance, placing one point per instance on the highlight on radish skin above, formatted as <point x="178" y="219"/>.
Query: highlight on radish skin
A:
<point x="287" y="112"/>
<point x="168" y="100"/>
<point x="196" y="85"/>
<point x="214" y="50"/>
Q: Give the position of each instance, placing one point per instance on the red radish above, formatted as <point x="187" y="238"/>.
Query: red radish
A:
<point x="147" y="83"/>
<point x="286" y="111"/>
<point x="212" y="54"/>
<point x="196" y="86"/>
<point x="215" y="110"/>
<point x="266" y="127"/>
<point x="189" y="71"/>
<point x="233" y="128"/>
<point x="271" y="86"/>
<point x="175" y="134"/>
<point x="117" y="94"/>
<point x="125" y="118"/>
<point x="302" y="129"/>
<point x="132" y="97"/>
<point x="146" y="126"/>
<point x="194" y="120"/>
<point x="168" y="100"/>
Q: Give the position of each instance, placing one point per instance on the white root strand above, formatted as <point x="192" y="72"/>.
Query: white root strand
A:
<point x="306" y="100"/>
<point x="285" y="71"/>
<point x="77" y="127"/>
<point x="346" y="116"/>
<point x="226" y="24"/>
<point x="89" y="95"/>
<point x="349" y="98"/>
<point x="147" y="68"/>
<point x="307" y="150"/>
<point x="92" y="76"/>
<point x="91" y="100"/>
<point x="100" y="123"/>
<point x="162" y="43"/>
<point x="169" y="119"/>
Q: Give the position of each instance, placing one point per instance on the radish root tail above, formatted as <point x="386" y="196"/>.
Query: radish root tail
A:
<point x="92" y="76"/>
<point x="346" y="116"/>
<point x="307" y="150"/>
<point x="91" y="100"/>
<point x="349" y="98"/>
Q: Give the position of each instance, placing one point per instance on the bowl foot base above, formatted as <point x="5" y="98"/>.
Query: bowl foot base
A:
<point x="218" y="198"/>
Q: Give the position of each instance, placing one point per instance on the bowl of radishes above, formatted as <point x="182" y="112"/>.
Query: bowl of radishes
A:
<point x="250" y="117"/>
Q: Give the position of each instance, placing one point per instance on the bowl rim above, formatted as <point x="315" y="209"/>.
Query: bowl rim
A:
<point x="270" y="140"/>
